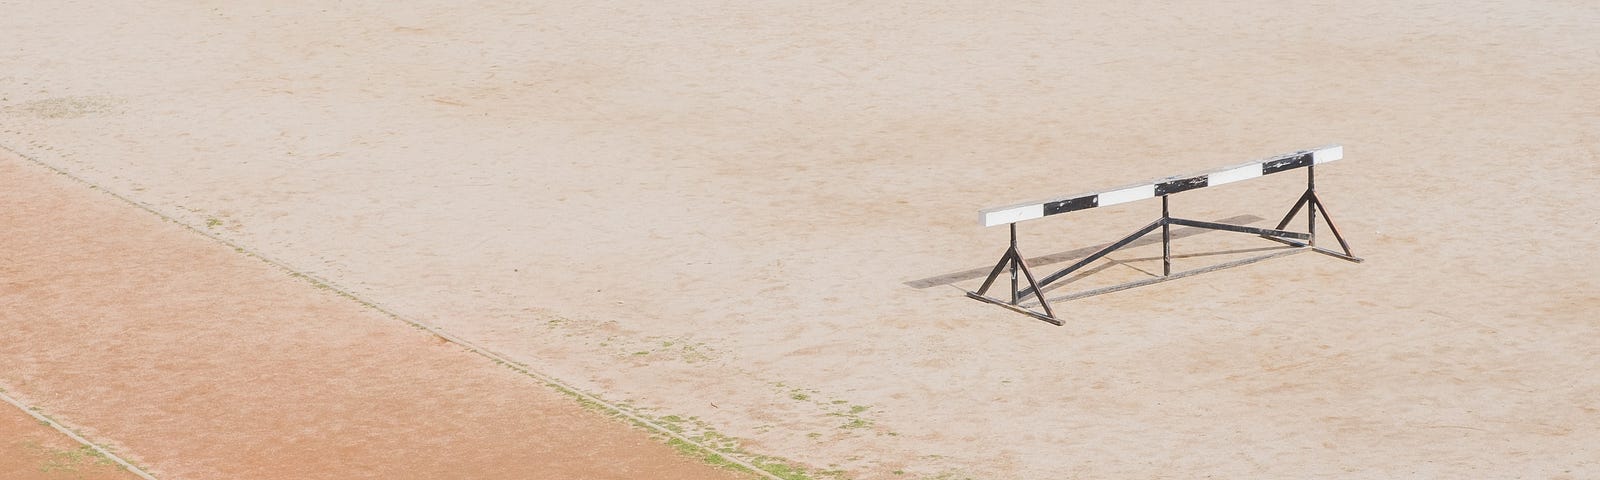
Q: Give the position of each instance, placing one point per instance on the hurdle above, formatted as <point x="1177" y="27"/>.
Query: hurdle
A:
<point x="1164" y="187"/>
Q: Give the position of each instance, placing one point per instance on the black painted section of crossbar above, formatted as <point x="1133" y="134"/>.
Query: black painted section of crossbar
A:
<point x="1071" y="205"/>
<point x="1282" y="164"/>
<point x="1180" y="185"/>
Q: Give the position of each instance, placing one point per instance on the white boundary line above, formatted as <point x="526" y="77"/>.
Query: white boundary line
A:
<point x="514" y="365"/>
<point x="69" y="433"/>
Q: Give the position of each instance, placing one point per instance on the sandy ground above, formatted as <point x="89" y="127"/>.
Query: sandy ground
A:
<point x="732" y="211"/>
<point x="30" y="450"/>
<point x="199" y="362"/>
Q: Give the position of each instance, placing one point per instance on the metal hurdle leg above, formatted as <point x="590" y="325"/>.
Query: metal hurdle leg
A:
<point x="1311" y="207"/>
<point x="1166" y="239"/>
<point x="1014" y="259"/>
<point x="1312" y="204"/>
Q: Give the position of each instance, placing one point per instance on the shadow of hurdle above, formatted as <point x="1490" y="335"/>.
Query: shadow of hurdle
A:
<point x="1071" y="255"/>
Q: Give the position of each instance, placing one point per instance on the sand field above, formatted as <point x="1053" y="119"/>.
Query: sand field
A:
<point x="754" y="221"/>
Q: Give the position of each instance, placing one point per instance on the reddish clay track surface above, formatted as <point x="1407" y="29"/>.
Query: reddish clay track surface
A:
<point x="198" y="362"/>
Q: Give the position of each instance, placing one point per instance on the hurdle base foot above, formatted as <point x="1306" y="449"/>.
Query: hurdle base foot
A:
<point x="1015" y="308"/>
<point x="1332" y="253"/>
<point x="1338" y="255"/>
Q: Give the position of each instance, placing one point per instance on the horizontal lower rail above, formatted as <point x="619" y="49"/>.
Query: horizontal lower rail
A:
<point x="1266" y="232"/>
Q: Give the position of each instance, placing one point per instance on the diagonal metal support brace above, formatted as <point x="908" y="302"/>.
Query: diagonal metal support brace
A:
<point x="1048" y="279"/>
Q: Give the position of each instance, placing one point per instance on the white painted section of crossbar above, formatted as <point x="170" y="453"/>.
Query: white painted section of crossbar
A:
<point x="1126" y="195"/>
<point x="1013" y="215"/>
<point x="1327" y="154"/>
<point x="1242" y="172"/>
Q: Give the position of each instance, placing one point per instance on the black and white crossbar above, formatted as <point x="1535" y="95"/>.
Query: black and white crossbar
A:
<point x="1301" y="241"/>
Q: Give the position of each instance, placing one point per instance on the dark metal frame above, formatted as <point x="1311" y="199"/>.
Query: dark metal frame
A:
<point x="1014" y="259"/>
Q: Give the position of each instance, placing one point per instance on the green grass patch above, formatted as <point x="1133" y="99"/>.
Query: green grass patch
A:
<point x="70" y="460"/>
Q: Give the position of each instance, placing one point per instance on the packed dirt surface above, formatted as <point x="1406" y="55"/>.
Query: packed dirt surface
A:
<point x="199" y="362"/>
<point x="762" y="214"/>
<point x="30" y="450"/>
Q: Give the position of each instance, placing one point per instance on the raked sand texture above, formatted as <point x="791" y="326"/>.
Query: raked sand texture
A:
<point x="730" y="211"/>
